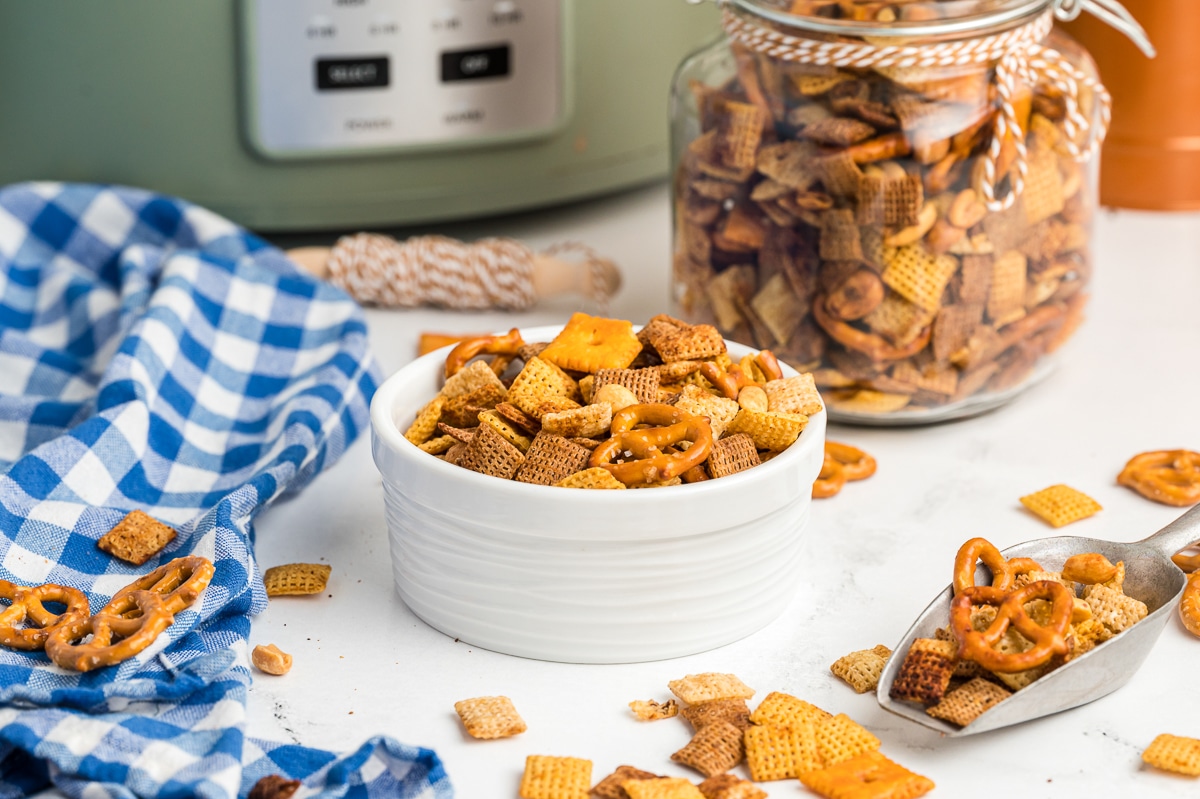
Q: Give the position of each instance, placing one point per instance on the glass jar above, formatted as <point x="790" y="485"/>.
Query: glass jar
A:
<point x="895" y="196"/>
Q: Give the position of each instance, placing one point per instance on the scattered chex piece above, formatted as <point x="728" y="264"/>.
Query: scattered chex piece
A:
<point x="768" y="429"/>
<point x="841" y="738"/>
<point x="868" y="776"/>
<point x="650" y="710"/>
<point x="548" y="777"/>
<point x="1060" y="505"/>
<point x="136" y="538"/>
<point x="733" y="711"/>
<point x="968" y="702"/>
<point x="714" y="749"/>
<point x="1174" y="753"/>
<point x="490" y="717"/>
<point x="708" y="686"/>
<point x="595" y="477"/>
<point x="662" y="788"/>
<point x="727" y="786"/>
<point x="784" y="710"/>
<point x="611" y="786"/>
<point x="860" y="670"/>
<point x="296" y="579"/>
<point x="780" y="753"/>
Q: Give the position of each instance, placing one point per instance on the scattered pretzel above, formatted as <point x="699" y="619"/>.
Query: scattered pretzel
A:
<point x="503" y="347"/>
<point x="1189" y="604"/>
<point x="842" y="463"/>
<point x="1171" y="476"/>
<point x="121" y="629"/>
<point x="1186" y="563"/>
<point x="1048" y="640"/>
<point x="26" y="605"/>
<point x="732" y="380"/>
<point x="118" y="632"/>
<point x="640" y="455"/>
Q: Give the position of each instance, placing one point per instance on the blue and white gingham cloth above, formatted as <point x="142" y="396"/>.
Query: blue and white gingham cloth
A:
<point x="154" y="355"/>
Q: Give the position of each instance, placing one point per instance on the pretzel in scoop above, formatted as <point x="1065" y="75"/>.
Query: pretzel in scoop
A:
<point x="638" y="456"/>
<point x="981" y="549"/>
<point x="1048" y="640"/>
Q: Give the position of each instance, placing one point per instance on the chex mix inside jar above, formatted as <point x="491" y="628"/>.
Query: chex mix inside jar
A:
<point x="896" y="196"/>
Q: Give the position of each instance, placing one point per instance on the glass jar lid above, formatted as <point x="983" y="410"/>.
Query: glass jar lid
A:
<point x="904" y="18"/>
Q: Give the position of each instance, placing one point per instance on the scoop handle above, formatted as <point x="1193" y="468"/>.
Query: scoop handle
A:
<point x="1178" y="534"/>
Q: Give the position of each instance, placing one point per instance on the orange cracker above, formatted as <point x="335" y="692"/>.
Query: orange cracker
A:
<point x="424" y="426"/>
<point x="714" y="749"/>
<point x="708" y="686"/>
<point x="861" y="670"/>
<point x="490" y="717"/>
<point x="596" y="477"/>
<point x="969" y="701"/>
<point x="662" y="788"/>
<point x="1060" y="505"/>
<point x="651" y="710"/>
<point x="784" y="710"/>
<point x="868" y="776"/>
<point x="548" y="777"/>
<point x="610" y="786"/>
<point x="588" y="343"/>
<point x="780" y="753"/>
<point x="768" y="429"/>
<point x="841" y="738"/>
<point x="136" y="538"/>
<point x="1174" y="753"/>
<point x="295" y="579"/>
<point x="795" y="394"/>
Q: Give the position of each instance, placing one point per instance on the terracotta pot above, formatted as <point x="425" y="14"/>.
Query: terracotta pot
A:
<point x="1151" y="158"/>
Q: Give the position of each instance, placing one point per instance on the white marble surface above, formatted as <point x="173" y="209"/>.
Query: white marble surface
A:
<point x="874" y="555"/>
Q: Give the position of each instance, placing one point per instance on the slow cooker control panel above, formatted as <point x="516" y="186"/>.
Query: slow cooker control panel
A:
<point x="343" y="77"/>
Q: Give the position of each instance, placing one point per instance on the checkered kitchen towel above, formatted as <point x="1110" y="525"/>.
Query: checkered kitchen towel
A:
<point x="154" y="355"/>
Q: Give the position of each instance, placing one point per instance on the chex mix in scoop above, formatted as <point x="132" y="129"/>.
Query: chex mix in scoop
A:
<point x="603" y="407"/>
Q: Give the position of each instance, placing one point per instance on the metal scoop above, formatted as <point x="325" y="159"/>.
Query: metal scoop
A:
<point x="1149" y="576"/>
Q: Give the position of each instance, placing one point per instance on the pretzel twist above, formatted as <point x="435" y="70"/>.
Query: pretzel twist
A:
<point x="179" y="583"/>
<point x="505" y="346"/>
<point x="1170" y="476"/>
<point x="842" y="463"/>
<point x="1189" y="604"/>
<point x="639" y="456"/>
<point x="1048" y="641"/>
<point x="27" y="605"/>
<point x="981" y="549"/>
<point x="121" y="630"/>
<point x="830" y="480"/>
<point x="873" y="345"/>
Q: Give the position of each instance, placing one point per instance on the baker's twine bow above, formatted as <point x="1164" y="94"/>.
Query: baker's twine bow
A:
<point x="1018" y="56"/>
<point x="447" y="273"/>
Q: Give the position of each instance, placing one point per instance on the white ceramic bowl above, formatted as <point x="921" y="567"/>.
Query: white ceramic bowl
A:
<point x="583" y="576"/>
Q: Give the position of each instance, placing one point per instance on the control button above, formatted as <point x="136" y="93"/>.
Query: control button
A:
<point x="352" y="73"/>
<point x="486" y="62"/>
<point x="505" y="11"/>
<point x="383" y="26"/>
<point x="320" y="27"/>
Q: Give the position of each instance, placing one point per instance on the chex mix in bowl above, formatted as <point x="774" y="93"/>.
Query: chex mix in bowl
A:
<point x="730" y="440"/>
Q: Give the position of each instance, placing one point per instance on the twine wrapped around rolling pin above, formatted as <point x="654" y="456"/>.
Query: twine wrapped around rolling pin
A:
<point x="497" y="273"/>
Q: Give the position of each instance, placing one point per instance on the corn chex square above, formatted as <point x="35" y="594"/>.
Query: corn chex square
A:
<point x="490" y="717"/>
<point x="728" y="786"/>
<point x="472" y="377"/>
<point x="719" y="410"/>
<point x="424" y="426"/>
<point x="1006" y="297"/>
<point x="548" y="777"/>
<point x="541" y="383"/>
<point x="596" y="477"/>
<point x="795" y="394"/>
<point x="1174" y="753"/>
<point x="708" y="686"/>
<point x="1060" y="505"/>
<point x="1114" y="609"/>
<point x="841" y="738"/>
<point x="768" y="429"/>
<point x="780" y="753"/>
<point x="784" y="710"/>
<point x="588" y="343"/>
<point x="919" y="276"/>
<point x="868" y="776"/>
